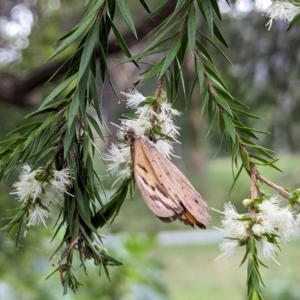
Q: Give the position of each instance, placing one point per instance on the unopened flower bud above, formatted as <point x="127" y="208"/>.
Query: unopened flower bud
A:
<point x="257" y="229"/>
<point x="247" y="202"/>
<point x="104" y="251"/>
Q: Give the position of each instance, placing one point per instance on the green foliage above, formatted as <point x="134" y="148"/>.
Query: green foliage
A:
<point x="65" y="136"/>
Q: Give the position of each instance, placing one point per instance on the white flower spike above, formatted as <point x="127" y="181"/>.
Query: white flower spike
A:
<point x="27" y="187"/>
<point x="37" y="216"/>
<point x="157" y="114"/>
<point x="228" y="248"/>
<point x="281" y="10"/>
<point x="134" y="98"/>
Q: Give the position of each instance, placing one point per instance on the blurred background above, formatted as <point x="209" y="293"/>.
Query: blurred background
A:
<point x="160" y="261"/>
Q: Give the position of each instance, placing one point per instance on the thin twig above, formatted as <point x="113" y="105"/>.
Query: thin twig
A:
<point x="159" y="87"/>
<point x="274" y="186"/>
<point x="253" y="188"/>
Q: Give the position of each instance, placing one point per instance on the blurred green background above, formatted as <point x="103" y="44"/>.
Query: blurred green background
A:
<point x="265" y="76"/>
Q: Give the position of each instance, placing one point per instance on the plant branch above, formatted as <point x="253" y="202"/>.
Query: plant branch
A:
<point x="281" y="191"/>
<point x="19" y="92"/>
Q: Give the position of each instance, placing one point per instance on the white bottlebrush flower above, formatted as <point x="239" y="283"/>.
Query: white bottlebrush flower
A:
<point x="148" y="119"/>
<point x="258" y="229"/>
<point x="140" y="126"/>
<point x="228" y="248"/>
<point x="145" y="112"/>
<point x="232" y="224"/>
<point x="168" y="127"/>
<point x="298" y="220"/>
<point x="37" y="216"/>
<point x="119" y="155"/>
<point x="167" y="110"/>
<point x="266" y="249"/>
<point x="281" y="10"/>
<point x="116" y="156"/>
<point x="270" y="209"/>
<point x="27" y="187"/>
<point x="134" y="98"/>
<point x="266" y="224"/>
<point x="61" y="179"/>
<point x="52" y="196"/>
<point x="164" y="147"/>
<point x="126" y="172"/>
<point x="286" y="225"/>
<point x="281" y="219"/>
<point x="25" y="171"/>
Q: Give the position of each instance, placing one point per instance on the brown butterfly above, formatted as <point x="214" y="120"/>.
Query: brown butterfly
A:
<point x="166" y="191"/>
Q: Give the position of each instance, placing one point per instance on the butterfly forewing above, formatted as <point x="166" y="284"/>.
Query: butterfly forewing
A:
<point x="166" y="191"/>
<point x="153" y="192"/>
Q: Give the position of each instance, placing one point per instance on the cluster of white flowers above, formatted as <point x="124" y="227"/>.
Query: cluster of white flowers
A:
<point x="39" y="189"/>
<point x="267" y="222"/>
<point x="149" y="113"/>
<point x="281" y="10"/>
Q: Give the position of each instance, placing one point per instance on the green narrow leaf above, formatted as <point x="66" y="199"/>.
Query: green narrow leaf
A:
<point x="236" y="178"/>
<point x="214" y="76"/>
<point x="155" y="70"/>
<point x="69" y="138"/>
<point x="219" y="35"/>
<point x="93" y="10"/>
<point x="200" y="72"/>
<point x="122" y="43"/>
<point x="88" y="49"/>
<point x="180" y="4"/>
<point x="170" y="18"/>
<point x="49" y="121"/>
<point x="144" y="54"/>
<point x="204" y="52"/>
<point x="108" y="75"/>
<point x="103" y="55"/>
<point x="145" y="5"/>
<point x="208" y="15"/>
<point x="73" y="108"/>
<point x="295" y="21"/>
<point x="170" y="56"/>
<point x="212" y="113"/>
<point x="32" y="126"/>
<point x="192" y="27"/>
<point x="58" y="90"/>
<point x="245" y="113"/>
<point x="215" y="6"/>
<point x="191" y="90"/>
<point x="181" y="55"/>
<point x="68" y="41"/>
<point x="225" y="94"/>
<point x="94" y="95"/>
<point x="223" y="103"/>
<point x="229" y="127"/>
<point x="96" y="126"/>
<point x="111" y="9"/>
<point x="204" y="103"/>
<point x="158" y="41"/>
<point x="222" y="53"/>
<point x="90" y="172"/>
<point x="124" y="9"/>
<point x="245" y="159"/>
<point x="159" y="5"/>
<point x="169" y="86"/>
